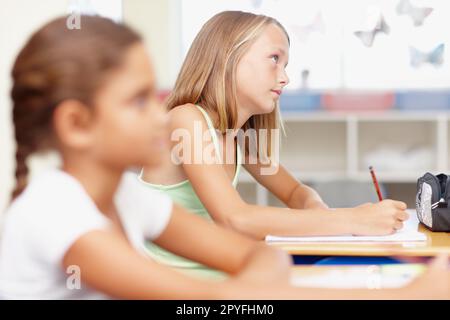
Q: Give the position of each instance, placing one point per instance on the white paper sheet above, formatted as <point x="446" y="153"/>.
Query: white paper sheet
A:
<point x="371" y="277"/>
<point x="407" y="234"/>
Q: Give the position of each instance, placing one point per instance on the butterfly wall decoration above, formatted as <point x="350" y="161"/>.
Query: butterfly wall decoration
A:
<point x="435" y="57"/>
<point x="303" y="32"/>
<point x="367" y="37"/>
<point x="417" y="14"/>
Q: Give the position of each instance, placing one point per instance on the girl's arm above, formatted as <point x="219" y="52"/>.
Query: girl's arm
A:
<point x="212" y="185"/>
<point x="434" y="284"/>
<point x="285" y="187"/>
<point x="110" y="265"/>
<point x="199" y="240"/>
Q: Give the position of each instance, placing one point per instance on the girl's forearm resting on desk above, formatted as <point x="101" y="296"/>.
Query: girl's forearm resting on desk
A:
<point x="240" y="250"/>
<point x="259" y="221"/>
<point x="433" y="284"/>
<point x="105" y="261"/>
<point x="108" y="270"/>
<point x="371" y="219"/>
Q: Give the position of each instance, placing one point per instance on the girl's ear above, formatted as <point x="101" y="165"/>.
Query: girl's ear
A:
<point x="73" y="124"/>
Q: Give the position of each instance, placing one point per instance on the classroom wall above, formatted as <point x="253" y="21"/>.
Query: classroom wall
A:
<point x="159" y="23"/>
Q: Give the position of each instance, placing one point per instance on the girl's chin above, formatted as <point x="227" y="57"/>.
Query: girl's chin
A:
<point x="266" y="109"/>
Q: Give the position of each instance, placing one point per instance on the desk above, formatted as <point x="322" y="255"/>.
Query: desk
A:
<point x="388" y="276"/>
<point x="436" y="242"/>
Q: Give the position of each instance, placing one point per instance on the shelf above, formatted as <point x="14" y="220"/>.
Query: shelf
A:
<point x="362" y="176"/>
<point x="309" y="146"/>
<point x="336" y="146"/>
<point x="245" y="177"/>
<point x="388" y="177"/>
<point x="411" y="144"/>
<point x="394" y="115"/>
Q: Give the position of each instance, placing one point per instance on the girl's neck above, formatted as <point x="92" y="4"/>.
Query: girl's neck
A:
<point x="242" y="117"/>
<point x="100" y="182"/>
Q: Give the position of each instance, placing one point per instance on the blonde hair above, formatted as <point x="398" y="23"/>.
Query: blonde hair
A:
<point x="208" y="74"/>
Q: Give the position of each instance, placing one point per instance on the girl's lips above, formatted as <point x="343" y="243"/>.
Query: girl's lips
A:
<point x="278" y="92"/>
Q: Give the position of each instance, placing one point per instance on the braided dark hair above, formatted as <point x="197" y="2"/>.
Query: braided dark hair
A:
<point x="57" y="64"/>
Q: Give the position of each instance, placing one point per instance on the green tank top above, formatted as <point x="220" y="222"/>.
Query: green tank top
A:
<point x="184" y="195"/>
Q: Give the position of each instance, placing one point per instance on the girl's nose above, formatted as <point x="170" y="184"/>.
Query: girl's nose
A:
<point x="284" y="79"/>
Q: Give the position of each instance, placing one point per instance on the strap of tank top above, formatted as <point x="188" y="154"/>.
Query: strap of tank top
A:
<point x="211" y="128"/>
<point x="216" y="141"/>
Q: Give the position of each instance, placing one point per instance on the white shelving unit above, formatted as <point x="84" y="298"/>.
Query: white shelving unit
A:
<point x="325" y="146"/>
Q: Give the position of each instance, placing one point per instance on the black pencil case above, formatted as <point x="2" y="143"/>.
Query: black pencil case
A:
<point x="432" y="199"/>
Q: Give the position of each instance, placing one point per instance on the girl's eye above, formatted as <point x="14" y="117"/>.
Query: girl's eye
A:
<point x="140" y="101"/>
<point x="275" y="58"/>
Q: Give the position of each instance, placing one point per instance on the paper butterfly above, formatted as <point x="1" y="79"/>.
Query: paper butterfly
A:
<point x="435" y="57"/>
<point x="417" y="14"/>
<point x="303" y="32"/>
<point x="367" y="37"/>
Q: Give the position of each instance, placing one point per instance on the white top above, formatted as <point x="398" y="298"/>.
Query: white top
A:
<point x="50" y="215"/>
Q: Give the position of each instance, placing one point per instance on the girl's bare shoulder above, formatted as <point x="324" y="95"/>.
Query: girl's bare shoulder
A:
<point x="185" y="115"/>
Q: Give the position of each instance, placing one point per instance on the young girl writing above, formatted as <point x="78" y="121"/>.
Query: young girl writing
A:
<point x="78" y="231"/>
<point x="232" y="78"/>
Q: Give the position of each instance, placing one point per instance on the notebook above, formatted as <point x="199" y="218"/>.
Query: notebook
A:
<point x="408" y="233"/>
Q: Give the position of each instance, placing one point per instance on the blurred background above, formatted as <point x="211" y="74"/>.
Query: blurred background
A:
<point x="370" y="84"/>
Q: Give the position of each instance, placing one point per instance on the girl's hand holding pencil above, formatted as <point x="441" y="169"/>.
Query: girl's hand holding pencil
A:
<point x="382" y="218"/>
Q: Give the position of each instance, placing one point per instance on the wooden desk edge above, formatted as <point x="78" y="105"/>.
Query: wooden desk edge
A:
<point x="437" y="242"/>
